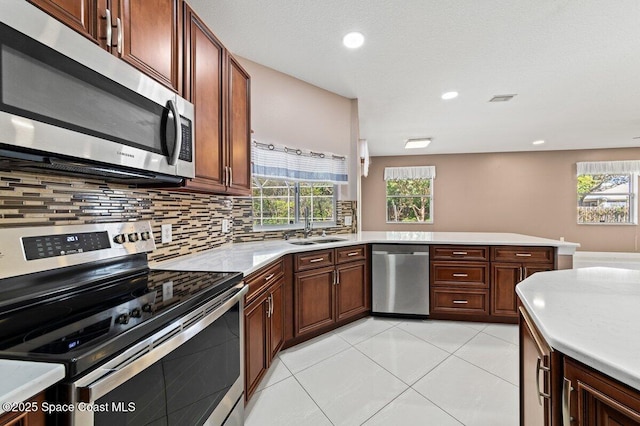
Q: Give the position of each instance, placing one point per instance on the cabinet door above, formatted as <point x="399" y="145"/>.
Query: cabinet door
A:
<point x="530" y="269"/>
<point x="81" y="15"/>
<point x="535" y="373"/>
<point x="314" y="300"/>
<point x="276" y="335"/>
<point x="149" y="38"/>
<point x="504" y="277"/>
<point x="239" y="143"/>
<point x="204" y="58"/>
<point x="352" y="295"/>
<point x="597" y="400"/>
<point x="256" y="337"/>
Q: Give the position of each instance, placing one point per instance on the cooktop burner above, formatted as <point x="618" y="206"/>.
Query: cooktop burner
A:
<point x="90" y="325"/>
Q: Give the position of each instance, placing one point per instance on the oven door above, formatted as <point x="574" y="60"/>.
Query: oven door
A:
<point x="189" y="373"/>
<point x="63" y="97"/>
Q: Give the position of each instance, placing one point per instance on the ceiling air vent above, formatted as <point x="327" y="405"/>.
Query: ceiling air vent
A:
<point x="501" y="98"/>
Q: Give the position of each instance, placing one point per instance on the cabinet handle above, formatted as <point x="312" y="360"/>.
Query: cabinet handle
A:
<point x="268" y="277"/>
<point x="230" y="176"/>
<point x="271" y="298"/>
<point x="459" y="253"/>
<point x="523" y="254"/>
<point x="460" y="275"/>
<point x="566" y="402"/>
<point x="120" y="36"/>
<point x="541" y="394"/>
<point x="353" y="253"/>
<point x="318" y="259"/>
<point x="337" y="277"/>
<point x="334" y="277"/>
<point x="109" y="29"/>
<point x="521" y="273"/>
<point x="268" y="307"/>
<point x="460" y="302"/>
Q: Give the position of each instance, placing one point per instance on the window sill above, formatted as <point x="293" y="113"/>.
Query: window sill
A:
<point x="608" y="224"/>
<point x="296" y="227"/>
<point x="410" y="223"/>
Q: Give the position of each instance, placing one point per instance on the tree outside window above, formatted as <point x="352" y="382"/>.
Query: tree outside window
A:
<point x="409" y="201"/>
<point x="606" y="198"/>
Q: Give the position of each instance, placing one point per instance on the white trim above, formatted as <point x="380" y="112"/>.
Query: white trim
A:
<point x="418" y="172"/>
<point x="608" y="167"/>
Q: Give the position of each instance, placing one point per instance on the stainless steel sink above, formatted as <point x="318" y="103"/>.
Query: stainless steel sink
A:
<point x="329" y="240"/>
<point x="301" y="243"/>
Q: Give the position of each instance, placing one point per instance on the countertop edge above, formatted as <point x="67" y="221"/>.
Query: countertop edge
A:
<point x="26" y="379"/>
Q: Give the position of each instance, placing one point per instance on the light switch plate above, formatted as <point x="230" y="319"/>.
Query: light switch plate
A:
<point x="348" y="220"/>
<point x="225" y="226"/>
<point x="167" y="291"/>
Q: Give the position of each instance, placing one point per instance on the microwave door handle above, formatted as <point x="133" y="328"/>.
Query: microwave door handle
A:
<point x="178" y="135"/>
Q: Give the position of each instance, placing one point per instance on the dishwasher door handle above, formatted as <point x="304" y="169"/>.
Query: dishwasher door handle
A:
<point x="410" y="253"/>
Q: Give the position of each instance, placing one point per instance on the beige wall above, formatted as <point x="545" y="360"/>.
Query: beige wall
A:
<point x="530" y="193"/>
<point x="291" y="112"/>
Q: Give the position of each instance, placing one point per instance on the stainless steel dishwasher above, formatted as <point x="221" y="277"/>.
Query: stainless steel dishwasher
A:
<point x="400" y="279"/>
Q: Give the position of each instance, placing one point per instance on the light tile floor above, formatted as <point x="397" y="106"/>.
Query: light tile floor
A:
<point x="380" y="371"/>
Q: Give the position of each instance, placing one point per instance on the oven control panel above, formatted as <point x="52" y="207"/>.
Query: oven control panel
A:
<point x="34" y="249"/>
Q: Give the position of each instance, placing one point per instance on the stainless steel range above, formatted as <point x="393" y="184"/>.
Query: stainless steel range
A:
<point x="140" y="346"/>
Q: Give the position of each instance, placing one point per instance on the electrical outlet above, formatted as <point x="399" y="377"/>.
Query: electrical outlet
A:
<point x="166" y="233"/>
<point x="348" y="220"/>
<point x="167" y="291"/>
<point x="225" y="226"/>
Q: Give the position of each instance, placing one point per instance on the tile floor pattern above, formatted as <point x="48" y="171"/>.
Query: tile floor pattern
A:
<point x="380" y="371"/>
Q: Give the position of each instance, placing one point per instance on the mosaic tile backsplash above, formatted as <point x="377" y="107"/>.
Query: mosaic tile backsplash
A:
<point x="35" y="200"/>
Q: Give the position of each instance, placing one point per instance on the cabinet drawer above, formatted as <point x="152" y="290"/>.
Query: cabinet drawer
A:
<point x="522" y="254"/>
<point x="262" y="278"/>
<point x="460" y="274"/>
<point x="473" y="302"/>
<point x="460" y="253"/>
<point x="313" y="259"/>
<point x="349" y="254"/>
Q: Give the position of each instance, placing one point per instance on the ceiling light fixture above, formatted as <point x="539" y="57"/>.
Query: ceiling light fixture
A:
<point x="353" y="40"/>
<point x="417" y="143"/>
<point x="539" y="142"/>
<point x="449" y="95"/>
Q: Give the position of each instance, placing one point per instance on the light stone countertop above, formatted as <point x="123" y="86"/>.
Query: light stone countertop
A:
<point x="591" y="315"/>
<point x="251" y="256"/>
<point x="23" y="379"/>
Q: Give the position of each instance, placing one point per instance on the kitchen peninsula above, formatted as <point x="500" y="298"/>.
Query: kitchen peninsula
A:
<point x="579" y="347"/>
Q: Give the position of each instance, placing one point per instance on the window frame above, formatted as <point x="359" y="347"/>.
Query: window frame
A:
<point x="632" y="194"/>
<point x="298" y="218"/>
<point x="431" y="210"/>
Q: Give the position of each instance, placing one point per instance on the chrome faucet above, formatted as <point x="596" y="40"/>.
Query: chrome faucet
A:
<point x="307" y="222"/>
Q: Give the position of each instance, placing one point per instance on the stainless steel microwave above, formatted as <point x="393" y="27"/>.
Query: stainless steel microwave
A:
<point x="70" y="106"/>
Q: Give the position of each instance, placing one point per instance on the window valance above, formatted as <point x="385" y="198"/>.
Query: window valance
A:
<point x="419" y="172"/>
<point x="279" y="161"/>
<point x="608" y="167"/>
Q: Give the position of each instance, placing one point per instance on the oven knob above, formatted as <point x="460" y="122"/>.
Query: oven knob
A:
<point x="136" y="313"/>
<point x="119" y="239"/>
<point x="144" y="236"/>
<point x="146" y="307"/>
<point x="133" y="237"/>
<point x="122" y="319"/>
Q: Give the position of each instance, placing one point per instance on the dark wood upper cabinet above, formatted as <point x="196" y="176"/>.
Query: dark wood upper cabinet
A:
<point x="204" y="75"/>
<point x="147" y="37"/>
<point x="239" y="144"/>
<point x="81" y="15"/>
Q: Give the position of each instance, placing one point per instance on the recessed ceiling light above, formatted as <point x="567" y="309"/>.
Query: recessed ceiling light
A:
<point x="539" y="142"/>
<point x="417" y="143"/>
<point x="353" y="40"/>
<point x="449" y="95"/>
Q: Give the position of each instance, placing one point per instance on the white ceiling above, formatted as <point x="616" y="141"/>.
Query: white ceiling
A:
<point x="574" y="65"/>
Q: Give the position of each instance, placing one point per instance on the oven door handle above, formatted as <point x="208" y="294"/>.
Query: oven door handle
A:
<point x="104" y="379"/>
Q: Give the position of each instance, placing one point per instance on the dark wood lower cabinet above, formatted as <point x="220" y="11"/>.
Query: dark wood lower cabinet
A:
<point x="504" y="278"/>
<point x="598" y="400"/>
<point x="314" y="305"/>
<point x="32" y="418"/>
<point x="264" y="333"/>
<point x="352" y="290"/>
